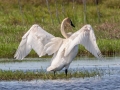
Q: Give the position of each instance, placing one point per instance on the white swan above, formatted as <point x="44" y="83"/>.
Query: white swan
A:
<point x="64" y="50"/>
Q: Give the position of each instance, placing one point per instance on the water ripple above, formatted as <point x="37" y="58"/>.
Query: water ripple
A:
<point x="109" y="81"/>
<point x="94" y="83"/>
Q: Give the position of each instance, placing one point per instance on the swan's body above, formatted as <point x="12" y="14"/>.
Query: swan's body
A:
<point x="64" y="50"/>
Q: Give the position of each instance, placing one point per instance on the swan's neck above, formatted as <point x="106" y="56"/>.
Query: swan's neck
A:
<point x="63" y="31"/>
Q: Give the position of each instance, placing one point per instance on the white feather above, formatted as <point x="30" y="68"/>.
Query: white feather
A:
<point x="36" y="38"/>
<point x="53" y="46"/>
<point x="85" y="36"/>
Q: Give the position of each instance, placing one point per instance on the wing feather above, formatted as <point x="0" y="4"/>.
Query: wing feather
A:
<point x="36" y="38"/>
<point x="85" y="36"/>
<point x="53" y="46"/>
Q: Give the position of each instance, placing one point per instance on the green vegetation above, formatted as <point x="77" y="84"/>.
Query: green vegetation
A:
<point x="30" y="75"/>
<point x="17" y="16"/>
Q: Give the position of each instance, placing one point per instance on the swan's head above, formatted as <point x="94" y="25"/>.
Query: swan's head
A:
<point x="67" y="21"/>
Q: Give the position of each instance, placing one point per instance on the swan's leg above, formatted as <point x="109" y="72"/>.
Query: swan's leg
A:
<point x="66" y="71"/>
<point x="54" y="73"/>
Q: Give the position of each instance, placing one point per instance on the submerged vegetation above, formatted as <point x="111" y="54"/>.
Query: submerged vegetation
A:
<point x="17" y="16"/>
<point x="32" y="75"/>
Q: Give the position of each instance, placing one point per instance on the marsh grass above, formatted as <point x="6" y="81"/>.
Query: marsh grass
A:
<point x="108" y="47"/>
<point x="41" y="74"/>
<point x="17" y="16"/>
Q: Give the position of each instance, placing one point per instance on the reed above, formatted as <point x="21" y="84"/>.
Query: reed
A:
<point x="41" y="74"/>
<point x="17" y="16"/>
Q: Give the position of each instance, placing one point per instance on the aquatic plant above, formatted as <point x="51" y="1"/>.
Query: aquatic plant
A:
<point x="41" y="74"/>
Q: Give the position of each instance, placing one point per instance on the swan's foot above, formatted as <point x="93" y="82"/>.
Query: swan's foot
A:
<point x="66" y="72"/>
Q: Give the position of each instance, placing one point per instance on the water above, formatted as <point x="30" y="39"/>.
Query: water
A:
<point x="109" y="81"/>
<point x="103" y="83"/>
<point x="44" y="63"/>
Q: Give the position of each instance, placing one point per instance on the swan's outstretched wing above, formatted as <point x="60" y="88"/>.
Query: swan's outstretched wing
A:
<point x="53" y="46"/>
<point x="35" y="39"/>
<point x="85" y="36"/>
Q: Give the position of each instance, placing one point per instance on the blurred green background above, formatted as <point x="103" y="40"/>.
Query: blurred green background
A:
<point x="17" y="16"/>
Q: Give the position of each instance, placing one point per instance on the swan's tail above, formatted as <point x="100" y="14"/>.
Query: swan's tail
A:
<point x="55" y="68"/>
<point x="51" y="68"/>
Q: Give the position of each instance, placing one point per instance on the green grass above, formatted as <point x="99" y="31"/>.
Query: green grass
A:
<point x="41" y="74"/>
<point x="17" y="16"/>
<point x="108" y="47"/>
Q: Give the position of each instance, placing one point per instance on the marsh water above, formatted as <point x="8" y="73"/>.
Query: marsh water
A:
<point x="110" y="80"/>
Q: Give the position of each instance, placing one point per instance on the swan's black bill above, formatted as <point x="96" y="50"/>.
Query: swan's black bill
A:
<point x="72" y="24"/>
